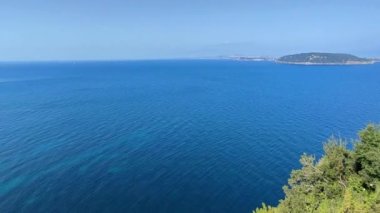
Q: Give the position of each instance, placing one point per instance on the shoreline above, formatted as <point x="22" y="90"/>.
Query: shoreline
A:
<point x="314" y="64"/>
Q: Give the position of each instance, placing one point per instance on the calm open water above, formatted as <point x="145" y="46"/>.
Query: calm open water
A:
<point x="169" y="136"/>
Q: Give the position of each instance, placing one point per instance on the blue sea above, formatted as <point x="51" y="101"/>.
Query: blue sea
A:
<point x="171" y="135"/>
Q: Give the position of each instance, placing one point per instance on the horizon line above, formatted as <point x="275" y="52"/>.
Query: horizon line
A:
<point x="220" y="57"/>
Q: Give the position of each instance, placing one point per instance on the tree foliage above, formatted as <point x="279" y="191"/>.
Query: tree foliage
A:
<point x="343" y="180"/>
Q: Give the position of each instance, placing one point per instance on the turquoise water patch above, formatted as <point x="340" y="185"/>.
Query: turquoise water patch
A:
<point x="8" y="186"/>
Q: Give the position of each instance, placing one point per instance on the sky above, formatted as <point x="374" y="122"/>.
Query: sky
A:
<point x="157" y="29"/>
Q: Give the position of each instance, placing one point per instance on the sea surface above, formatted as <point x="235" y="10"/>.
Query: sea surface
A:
<point x="169" y="136"/>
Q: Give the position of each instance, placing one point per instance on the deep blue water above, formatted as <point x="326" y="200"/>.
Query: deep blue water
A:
<point x="169" y="136"/>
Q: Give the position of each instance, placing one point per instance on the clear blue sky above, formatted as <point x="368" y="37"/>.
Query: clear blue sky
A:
<point x="138" y="29"/>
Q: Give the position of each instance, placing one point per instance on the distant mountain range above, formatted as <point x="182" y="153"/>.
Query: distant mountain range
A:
<point x="323" y="58"/>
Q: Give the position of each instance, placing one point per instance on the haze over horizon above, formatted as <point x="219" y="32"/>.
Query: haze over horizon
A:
<point x="116" y="29"/>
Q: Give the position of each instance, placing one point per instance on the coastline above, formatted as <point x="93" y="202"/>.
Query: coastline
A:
<point x="315" y="64"/>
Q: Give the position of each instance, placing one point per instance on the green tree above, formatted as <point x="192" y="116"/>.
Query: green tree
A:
<point x="343" y="181"/>
<point x="367" y="153"/>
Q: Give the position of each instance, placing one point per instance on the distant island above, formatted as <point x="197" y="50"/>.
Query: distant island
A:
<point x="251" y="58"/>
<point x="323" y="59"/>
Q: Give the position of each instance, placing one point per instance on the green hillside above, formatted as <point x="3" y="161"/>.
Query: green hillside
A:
<point x="323" y="58"/>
